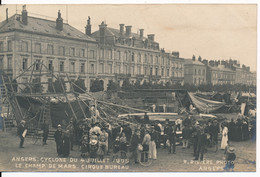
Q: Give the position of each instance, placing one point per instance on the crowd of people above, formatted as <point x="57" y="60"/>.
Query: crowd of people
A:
<point x="100" y="138"/>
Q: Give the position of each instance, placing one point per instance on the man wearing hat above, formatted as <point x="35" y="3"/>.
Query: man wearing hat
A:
<point x="58" y="140"/>
<point x="136" y="141"/>
<point x="21" y="133"/>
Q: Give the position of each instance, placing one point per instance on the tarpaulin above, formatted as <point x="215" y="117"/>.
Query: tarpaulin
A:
<point x="205" y="105"/>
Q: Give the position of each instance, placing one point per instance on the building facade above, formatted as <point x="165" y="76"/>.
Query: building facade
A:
<point x="60" y="47"/>
<point x="194" y="72"/>
<point x="124" y="54"/>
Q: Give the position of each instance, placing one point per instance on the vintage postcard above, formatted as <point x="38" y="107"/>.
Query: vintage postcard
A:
<point x="128" y="88"/>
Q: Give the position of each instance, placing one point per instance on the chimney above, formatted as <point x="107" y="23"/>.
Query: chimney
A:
<point x="102" y="28"/>
<point x="122" y="28"/>
<point x="24" y="15"/>
<point x="141" y="33"/>
<point x="199" y="59"/>
<point x="193" y="57"/>
<point x="88" y="27"/>
<point x="205" y="62"/>
<point x="151" y="37"/>
<point x="128" y="30"/>
<point x="6" y="14"/>
<point x="59" y="22"/>
<point x="176" y="54"/>
<point x="211" y="63"/>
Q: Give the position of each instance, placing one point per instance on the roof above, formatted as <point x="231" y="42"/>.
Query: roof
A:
<point x="191" y="62"/>
<point x="42" y="26"/>
<point x="116" y="32"/>
<point x="220" y="68"/>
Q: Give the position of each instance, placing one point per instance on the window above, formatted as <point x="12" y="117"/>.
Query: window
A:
<point x="151" y="71"/>
<point x="92" y="68"/>
<point x="24" y="46"/>
<point x="61" y="50"/>
<point x="9" y="46"/>
<point x="50" y="49"/>
<point x="162" y="71"/>
<point x="125" y="69"/>
<point x="195" y="81"/>
<point x="157" y="60"/>
<point x="9" y="63"/>
<point x="133" y="56"/>
<point x="110" y="68"/>
<point x="168" y="72"/>
<point x="145" y="70"/>
<point x="118" y="69"/>
<point x="203" y="71"/>
<point x="145" y="58"/>
<point x="1" y="62"/>
<point x="132" y="70"/>
<point x="72" y="66"/>
<point x="140" y="58"/>
<point x="173" y="74"/>
<point x="102" y="53"/>
<point x="82" y="53"/>
<point x="151" y="59"/>
<point x="118" y="55"/>
<point x="101" y="68"/>
<point x="1" y="46"/>
<point x="25" y="63"/>
<point x="50" y="65"/>
<point x="82" y="67"/>
<point x="72" y="52"/>
<point x="195" y="72"/>
<point x="125" y="56"/>
<point x="109" y="56"/>
<point x="163" y="61"/>
<point x="62" y="66"/>
<point x="38" y="65"/>
<point x="139" y="70"/>
<point x="199" y="72"/>
<point x="156" y="71"/>
<point x="91" y="54"/>
<point x="38" y="48"/>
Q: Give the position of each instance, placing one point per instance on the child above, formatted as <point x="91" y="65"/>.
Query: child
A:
<point x="230" y="158"/>
<point x="116" y="147"/>
<point x="84" y="146"/>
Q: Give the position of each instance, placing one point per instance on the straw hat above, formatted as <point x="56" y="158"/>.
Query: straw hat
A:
<point x="231" y="149"/>
<point x="22" y="122"/>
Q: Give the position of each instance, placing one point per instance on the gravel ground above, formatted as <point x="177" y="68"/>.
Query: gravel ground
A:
<point x="43" y="158"/>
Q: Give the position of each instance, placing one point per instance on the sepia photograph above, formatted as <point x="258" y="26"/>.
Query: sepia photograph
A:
<point x="128" y="87"/>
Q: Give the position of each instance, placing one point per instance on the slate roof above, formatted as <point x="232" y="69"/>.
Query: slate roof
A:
<point x="42" y="26"/>
<point x="116" y="32"/>
<point x="191" y="62"/>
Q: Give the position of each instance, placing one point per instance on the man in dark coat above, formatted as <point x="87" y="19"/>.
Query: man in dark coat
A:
<point x="158" y="134"/>
<point x="146" y="118"/>
<point x="21" y="134"/>
<point x="66" y="144"/>
<point x="128" y="132"/>
<point x="136" y="140"/>
<point x="231" y="130"/>
<point x="201" y="144"/>
<point x="215" y="131"/>
<point x="58" y="140"/>
<point x="45" y="128"/>
<point x="166" y="135"/>
<point x="172" y="138"/>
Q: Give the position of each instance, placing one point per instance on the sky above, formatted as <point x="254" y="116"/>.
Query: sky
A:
<point x="214" y="32"/>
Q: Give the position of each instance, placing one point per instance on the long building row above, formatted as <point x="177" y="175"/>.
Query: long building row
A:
<point x="106" y="54"/>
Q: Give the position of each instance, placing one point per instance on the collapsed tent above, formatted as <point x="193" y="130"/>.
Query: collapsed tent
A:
<point x="205" y="105"/>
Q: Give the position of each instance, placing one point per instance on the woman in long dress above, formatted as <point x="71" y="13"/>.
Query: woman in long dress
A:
<point x="224" y="141"/>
